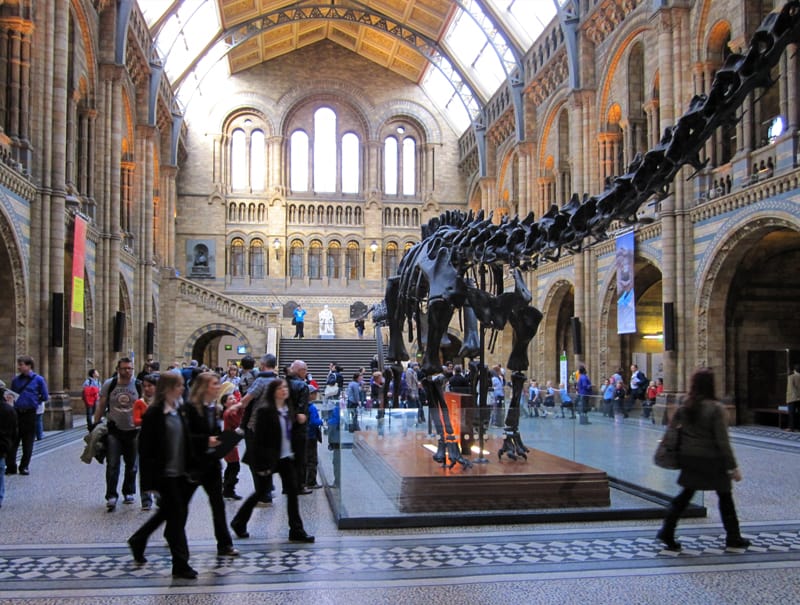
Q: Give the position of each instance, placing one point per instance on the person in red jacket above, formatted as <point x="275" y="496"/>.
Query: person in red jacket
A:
<point x="231" y="419"/>
<point x="90" y="395"/>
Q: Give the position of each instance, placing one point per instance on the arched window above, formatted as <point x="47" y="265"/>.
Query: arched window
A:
<point x="262" y="213"/>
<point x="257" y="259"/>
<point x="237" y="257"/>
<point x="238" y="160"/>
<point x="315" y="260"/>
<point x="350" y="163"/>
<point x="334" y="260"/>
<point x="258" y="161"/>
<point x="387" y="217"/>
<point x="390" y="260"/>
<point x="296" y="259"/>
<point x="359" y="218"/>
<point x="232" y="213"/>
<point x="390" y="166"/>
<point x="242" y="212"/>
<point x="298" y="162"/>
<point x="324" y="150"/>
<point x="251" y="213"/>
<point x="409" y="166"/>
<point x="351" y="261"/>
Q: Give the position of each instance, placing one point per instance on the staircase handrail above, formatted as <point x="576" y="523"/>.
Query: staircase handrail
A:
<point x="213" y="300"/>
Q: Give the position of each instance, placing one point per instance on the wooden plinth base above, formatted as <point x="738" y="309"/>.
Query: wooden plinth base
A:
<point x="404" y="469"/>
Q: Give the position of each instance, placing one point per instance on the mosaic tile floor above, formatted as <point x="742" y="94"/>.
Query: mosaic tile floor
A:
<point x="59" y="546"/>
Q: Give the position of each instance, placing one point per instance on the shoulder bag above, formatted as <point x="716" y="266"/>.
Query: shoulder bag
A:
<point x="668" y="451"/>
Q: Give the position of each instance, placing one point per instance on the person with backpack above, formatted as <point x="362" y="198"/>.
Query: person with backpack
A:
<point x="248" y="375"/>
<point x="117" y="397"/>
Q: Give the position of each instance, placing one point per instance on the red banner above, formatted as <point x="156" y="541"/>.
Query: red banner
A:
<point x="78" y="262"/>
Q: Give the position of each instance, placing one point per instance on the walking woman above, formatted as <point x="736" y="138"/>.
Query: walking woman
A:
<point x="204" y="397"/>
<point x="706" y="459"/>
<point x="168" y="453"/>
<point x="272" y="453"/>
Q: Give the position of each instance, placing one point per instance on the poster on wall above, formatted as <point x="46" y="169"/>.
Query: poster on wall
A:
<point x="76" y="315"/>
<point x="200" y="258"/>
<point x="626" y="300"/>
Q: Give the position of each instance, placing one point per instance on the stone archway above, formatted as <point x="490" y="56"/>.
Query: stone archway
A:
<point x="14" y="319"/>
<point x="555" y="331"/>
<point x="618" y="351"/>
<point x="748" y="328"/>
<point x="197" y="345"/>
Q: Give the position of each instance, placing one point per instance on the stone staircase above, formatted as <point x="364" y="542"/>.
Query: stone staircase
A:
<point x="350" y="353"/>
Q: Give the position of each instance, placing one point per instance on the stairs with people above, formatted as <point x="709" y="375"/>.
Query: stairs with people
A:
<point x="350" y="353"/>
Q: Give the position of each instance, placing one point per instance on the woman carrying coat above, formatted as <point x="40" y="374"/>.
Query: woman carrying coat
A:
<point x="706" y="459"/>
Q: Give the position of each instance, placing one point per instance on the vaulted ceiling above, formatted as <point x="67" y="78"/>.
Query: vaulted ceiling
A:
<point x="367" y="36"/>
<point x="454" y="49"/>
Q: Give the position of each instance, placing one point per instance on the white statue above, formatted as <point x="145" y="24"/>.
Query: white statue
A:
<point x="326" y="323"/>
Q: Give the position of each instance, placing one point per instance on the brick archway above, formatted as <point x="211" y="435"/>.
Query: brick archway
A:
<point x="715" y="281"/>
<point x="219" y="328"/>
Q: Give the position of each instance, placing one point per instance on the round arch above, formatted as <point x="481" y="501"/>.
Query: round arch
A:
<point x="197" y="344"/>
<point x="720" y="280"/>
<point x="13" y="276"/>
<point x="554" y="333"/>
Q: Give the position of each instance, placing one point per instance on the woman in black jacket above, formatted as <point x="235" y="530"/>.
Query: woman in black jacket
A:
<point x="204" y="397"/>
<point x="706" y="459"/>
<point x="169" y="453"/>
<point x="272" y="453"/>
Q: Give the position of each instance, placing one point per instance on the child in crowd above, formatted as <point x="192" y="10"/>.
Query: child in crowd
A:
<point x="608" y="397"/>
<point x="314" y="437"/>
<point x="620" y="393"/>
<point x="140" y="406"/>
<point x="650" y="401"/>
<point x="566" y="400"/>
<point x="231" y="419"/>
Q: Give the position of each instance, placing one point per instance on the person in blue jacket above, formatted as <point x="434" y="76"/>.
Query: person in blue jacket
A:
<point x="32" y="390"/>
<point x="299" y="318"/>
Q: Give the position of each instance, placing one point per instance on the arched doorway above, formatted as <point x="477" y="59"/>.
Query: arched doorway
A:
<point x="645" y="347"/>
<point x="217" y="345"/>
<point x="749" y="327"/>
<point x="12" y="298"/>
<point x="555" y="332"/>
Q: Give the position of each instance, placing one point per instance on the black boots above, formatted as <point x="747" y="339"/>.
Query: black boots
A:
<point x="668" y="538"/>
<point x="730" y="521"/>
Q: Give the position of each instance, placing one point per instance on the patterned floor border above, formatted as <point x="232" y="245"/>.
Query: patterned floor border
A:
<point x="95" y="570"/>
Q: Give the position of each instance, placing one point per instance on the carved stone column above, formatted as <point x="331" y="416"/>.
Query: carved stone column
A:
<point x="58" y="412"/>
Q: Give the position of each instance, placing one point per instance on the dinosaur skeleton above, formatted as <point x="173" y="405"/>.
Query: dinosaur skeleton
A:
<point x="448" y="268"/>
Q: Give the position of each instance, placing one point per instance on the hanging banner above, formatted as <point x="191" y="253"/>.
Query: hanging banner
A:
<point x="78" y="261"/>
<point x="626" y="303"/>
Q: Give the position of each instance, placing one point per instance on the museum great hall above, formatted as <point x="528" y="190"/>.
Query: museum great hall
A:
<point x="177" y="175"/>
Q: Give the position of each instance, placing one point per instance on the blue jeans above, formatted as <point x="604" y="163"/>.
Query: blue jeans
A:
<point x="2" y="479"/>
<point x="121" y="446"/>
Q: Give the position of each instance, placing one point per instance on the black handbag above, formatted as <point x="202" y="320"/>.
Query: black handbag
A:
<point x="668" y="451"/>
